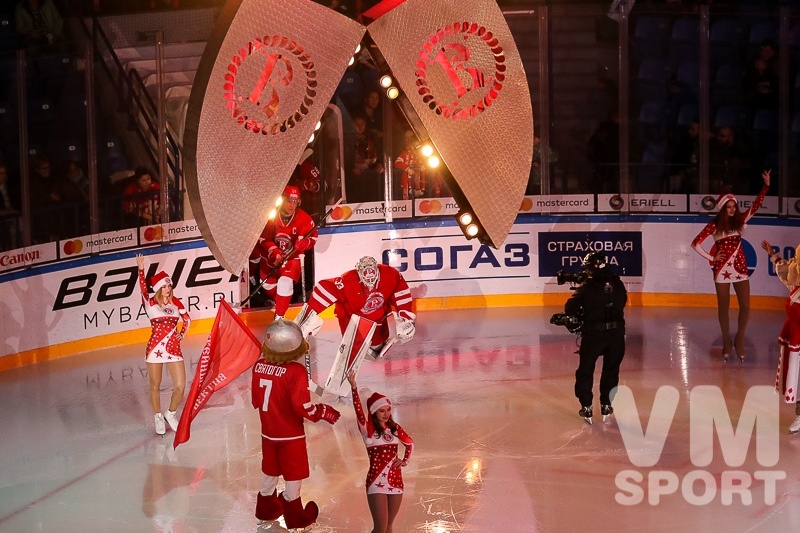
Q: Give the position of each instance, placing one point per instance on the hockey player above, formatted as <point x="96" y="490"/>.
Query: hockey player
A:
<point x="364" y="300"/>
<point x="276" y="257"/>
<point x="280" y="393"/>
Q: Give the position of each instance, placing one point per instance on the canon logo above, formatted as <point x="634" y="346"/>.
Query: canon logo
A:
<point x="19" y="258"/>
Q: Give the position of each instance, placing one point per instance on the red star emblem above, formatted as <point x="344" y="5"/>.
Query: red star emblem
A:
<point x="726" y="275"/>
<point x="158" y="353"/>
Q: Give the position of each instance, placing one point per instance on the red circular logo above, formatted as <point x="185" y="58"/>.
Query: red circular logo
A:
<point x="453" y="56"/>
<point x="258" y="85"/>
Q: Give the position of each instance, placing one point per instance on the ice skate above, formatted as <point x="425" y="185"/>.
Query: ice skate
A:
<point x="606" y="411"/>
<point x="586" y="413"/>
<point x="795" y="427"/>
<point x="161" y="428"/>
<point x="172" y="419"/>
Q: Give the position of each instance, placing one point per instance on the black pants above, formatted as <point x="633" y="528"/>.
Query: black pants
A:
<point x="609" y="344"/>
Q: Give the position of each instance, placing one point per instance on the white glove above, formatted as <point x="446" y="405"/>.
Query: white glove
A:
<point x="405" y="329"/>
<point x="308" y="320"/>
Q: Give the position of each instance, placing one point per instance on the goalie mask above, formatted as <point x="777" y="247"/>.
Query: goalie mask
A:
<point x="368" y="273"/>
<point x="283" y="342"/>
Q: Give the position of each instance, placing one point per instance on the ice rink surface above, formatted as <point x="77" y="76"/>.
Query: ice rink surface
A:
<point x="487" y="396"/>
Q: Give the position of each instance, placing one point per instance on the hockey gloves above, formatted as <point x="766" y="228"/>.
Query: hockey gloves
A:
<point x="327" y="413"/>
<point x="274" y="256"/>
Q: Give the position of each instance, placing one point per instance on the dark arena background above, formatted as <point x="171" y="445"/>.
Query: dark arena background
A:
<point x="561" y="128"/>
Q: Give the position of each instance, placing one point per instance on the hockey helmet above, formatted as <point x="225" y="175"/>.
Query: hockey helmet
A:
<point x="368" y="273"/>
<point x="283" y="342"/>
<point x="291" y="193"/>
<point x="594" y="261"/>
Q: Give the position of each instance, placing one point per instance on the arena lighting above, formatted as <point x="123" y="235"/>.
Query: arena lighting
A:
<point x="279" y="201"/>
<point x="318" y="126"/>
<point x="386" y="81"/>
<point x="434" y="161"/>
<point x="465" y="218"/>
<point x="392" y="93"/>
<point x="472" y="231"/>
<point x="352" y="60"/>
<point x="358" y="49"/>
<point x="273" y="213"/>
<point x="311" y="139"/>
<point x="427" y="150"/>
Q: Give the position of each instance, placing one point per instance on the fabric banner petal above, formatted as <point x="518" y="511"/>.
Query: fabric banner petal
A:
<point x="266" y="77"/>
<point x="459" y="66"/>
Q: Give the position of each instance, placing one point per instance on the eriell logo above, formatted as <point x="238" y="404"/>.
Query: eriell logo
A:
<point x="707" y="414"/>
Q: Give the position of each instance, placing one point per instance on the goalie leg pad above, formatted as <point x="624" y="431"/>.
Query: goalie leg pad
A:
<point x="355" y="344"/>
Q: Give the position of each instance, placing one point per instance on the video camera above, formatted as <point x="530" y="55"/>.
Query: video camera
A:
<point x="573" y="323"/>
<point x="562" y="277"/>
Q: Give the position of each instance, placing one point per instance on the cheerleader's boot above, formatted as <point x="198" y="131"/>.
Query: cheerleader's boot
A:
<point x="268" y="507"/>
<point x="296" y="516"/>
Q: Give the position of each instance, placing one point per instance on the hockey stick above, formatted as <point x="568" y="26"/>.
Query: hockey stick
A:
<point x="312" y="385"/>
<point x="288" y="256"/>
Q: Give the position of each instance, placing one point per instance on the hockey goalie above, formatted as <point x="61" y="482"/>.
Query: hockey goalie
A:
<point x="374" y="307"/>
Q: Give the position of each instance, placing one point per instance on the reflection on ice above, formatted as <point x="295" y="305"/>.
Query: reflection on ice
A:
<point x="487" y="396"/>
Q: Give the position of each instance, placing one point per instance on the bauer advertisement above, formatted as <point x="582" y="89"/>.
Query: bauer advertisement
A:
<point x="66" y="302"/>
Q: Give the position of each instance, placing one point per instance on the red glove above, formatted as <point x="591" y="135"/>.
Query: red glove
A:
<point x="274" y="256"/>
<point x="303" y="244"/>
<point x="328" y="413"/>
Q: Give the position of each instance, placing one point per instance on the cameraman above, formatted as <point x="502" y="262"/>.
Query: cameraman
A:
<point x="601" y="301"/>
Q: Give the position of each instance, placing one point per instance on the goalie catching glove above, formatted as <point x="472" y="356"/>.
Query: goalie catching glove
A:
<point x="404" y="322"/>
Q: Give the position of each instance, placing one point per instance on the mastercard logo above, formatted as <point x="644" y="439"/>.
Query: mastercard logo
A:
<point x="708" y="203"/>
<point x="616" y="202"/>
<point x="526" y="205"/>
<point x="341" y="213"/>
<point x="73" y="247"/>
<point x="430" y="207"/>
<point x="153" y="233"/>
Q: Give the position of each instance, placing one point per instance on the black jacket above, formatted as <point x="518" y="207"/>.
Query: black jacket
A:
<point x="601" y="300"/>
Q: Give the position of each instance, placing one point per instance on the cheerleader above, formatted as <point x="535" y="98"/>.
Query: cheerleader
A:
<point x="381" y="435"/>
<point x="164" y="347"/>
<point x="786" y="379"/>
<point x="729" y="265"/>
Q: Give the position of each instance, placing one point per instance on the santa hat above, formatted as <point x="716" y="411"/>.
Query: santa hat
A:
<point x="724" y="199"/>
<point x="376" y="401"/>
<point x="159" y="280"/>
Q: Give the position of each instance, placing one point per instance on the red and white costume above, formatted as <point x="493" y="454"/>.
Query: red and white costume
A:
<point x="382" y="450"/>
<point x="788" y="375"/>
<point x="164" y="345"/>
<point x="731" y="265"/>
<point x="280" y="393"/>
<point x="351" y="297"/>
<point x="283" y="235"/>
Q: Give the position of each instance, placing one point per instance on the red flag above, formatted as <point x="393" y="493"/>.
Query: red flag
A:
<point x="231" y="349"/>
